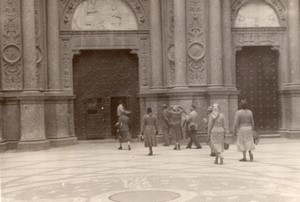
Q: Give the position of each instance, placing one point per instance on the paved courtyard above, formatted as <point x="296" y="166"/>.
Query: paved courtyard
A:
<point x="98" y="172"/>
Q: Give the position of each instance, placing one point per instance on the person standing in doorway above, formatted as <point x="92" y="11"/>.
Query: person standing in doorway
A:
<point x="192" y="126"/>
<point x="243" y="129"/>
<point x="124" y="133"/>
<point x="149" y="130"/>
<point x="121" y="108"/>
<point x="175" y="113"/>
<point x="165" y="125"/>
<point x="216" y="131"/>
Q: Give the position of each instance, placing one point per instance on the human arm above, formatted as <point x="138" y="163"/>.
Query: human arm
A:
<point x="210" y="125"/>
<point x="236" y="123"/>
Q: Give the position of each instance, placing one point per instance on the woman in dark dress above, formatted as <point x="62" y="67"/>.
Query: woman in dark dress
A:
<point x="149" y="130"/>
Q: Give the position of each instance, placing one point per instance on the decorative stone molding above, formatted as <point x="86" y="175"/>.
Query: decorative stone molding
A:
<point x="40" y="65"/>
<point x="275" y="4"/>
<point x="66" y="61"/>
<point x="139" y="7"/>
<point x="255" y="37"/>
<point x="144" y="60"/>
<point x="170" y="63"/>
<point x="11" y="43"/>
<point x="196" y="38"/>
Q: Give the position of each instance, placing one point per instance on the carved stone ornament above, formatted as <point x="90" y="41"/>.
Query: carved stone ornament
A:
<point x="170" y="53"/>
<point x="138" y="7"/>
<point x="144" y="60"/>
<point x="196" y="38"/>
<point x="275" y="4"/>
<point x="66" y="61"/>
<point x="252" y="39"/>
<point x="11" y="45"/>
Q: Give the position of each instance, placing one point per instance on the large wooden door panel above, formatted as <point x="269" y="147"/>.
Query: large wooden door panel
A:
<point x="100" y="75"/>
<point x="257" y="79"/>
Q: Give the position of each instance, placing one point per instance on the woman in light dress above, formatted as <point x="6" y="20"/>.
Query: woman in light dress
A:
<point x="243" y="129"/>
<point x="149" y="130"/>
<point x="216" y="132"/>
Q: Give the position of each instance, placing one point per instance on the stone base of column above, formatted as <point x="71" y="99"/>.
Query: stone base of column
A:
<point x="290" y="134"/>
<point x="3" y="146"/>
<point x="33" y="145"/>
<point x="61" y="142"/>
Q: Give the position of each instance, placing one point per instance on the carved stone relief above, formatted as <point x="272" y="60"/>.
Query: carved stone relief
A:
<point x="11" y="45"/>
<point x="70" y="8"/>
<point x="40" y="63"/>
<point x="196" y="39"/>
<point x="275" y="4"/>
<point x="170" y="42"/>
<point x="66" y="61"/>
<point x="252" y="39"/>
<point x="144" y="60"/>
<point x="104" y="15"/>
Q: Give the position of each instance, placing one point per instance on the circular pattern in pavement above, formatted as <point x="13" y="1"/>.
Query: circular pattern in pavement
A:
<point x="145" y="196"/>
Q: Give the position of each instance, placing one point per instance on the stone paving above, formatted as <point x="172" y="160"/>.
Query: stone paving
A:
<point x="98" y="172"/>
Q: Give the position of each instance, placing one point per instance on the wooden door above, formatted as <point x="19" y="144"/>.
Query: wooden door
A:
<point x="257" y="79"/>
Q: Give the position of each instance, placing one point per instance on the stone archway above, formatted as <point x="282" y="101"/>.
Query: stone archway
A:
<point x="259" y="38"/>
<point x="277" y="5"/>
<point x="139" y="7"/>
<point x="75" y="41"/>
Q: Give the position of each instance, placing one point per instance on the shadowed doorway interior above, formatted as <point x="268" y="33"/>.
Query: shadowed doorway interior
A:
<point x="101" y="79"/>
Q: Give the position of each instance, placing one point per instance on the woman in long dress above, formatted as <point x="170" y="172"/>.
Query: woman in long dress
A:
<point x="243" y="129"/>
<point x="175" y="113"/>
<point x="149" y="130"/>
<point x="216" y="132"/>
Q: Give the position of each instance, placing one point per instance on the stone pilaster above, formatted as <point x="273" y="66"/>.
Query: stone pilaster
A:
<point x="180" y="43"/>
<point x="29" y="46"/>
<point x="215" y="43"/>
<point x="156" y="44"/>
<point x="31" y="101"/>
<point x="294" y="20"/>
<point x="227" y="44"/>
<point x="53" y="46"/>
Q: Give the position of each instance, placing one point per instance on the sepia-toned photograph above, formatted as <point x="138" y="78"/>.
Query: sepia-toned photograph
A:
<point x="149" y="100"/>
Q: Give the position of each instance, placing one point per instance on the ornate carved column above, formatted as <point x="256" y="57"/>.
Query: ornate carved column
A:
<point x="32" y="101"/>
<point x="29" y="46"/>
<point x="156" y="44"/>
<point x="215" y="43"/>
<point x="53" y="45"/>
<point x="227" y="44"/>
<point x="294" y="21"/>
<point x="180" y="43"/>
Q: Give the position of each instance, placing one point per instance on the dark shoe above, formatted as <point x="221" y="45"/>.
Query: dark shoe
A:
<point x="129" y="148"/>
<point x="166" y="145"/>
<point x="188" y="147"/>
<point x="120" y="148"/>
<point x="199" y="147"/>
<point x="150" y="154"/>
<point x="251" y="156"/>
<point x="221" y="161"/>
<point x="178" y="146"/>
<point x="175" y="148"/>
<point x="212" y="154"/>
<point x="243" y="159"/>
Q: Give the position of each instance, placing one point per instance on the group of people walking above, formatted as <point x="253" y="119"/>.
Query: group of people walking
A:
<point x="172" y="126"/>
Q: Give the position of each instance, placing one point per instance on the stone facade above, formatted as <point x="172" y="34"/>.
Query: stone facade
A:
<point x="186" y="53"/>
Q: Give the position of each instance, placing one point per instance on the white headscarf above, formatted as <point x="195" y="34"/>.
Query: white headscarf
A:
<point x="216" y="111"/>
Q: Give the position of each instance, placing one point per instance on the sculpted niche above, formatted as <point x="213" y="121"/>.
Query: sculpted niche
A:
<point x="258" y="13"/>
<point x="104" y="15"/>
<point x="83" y="15"/>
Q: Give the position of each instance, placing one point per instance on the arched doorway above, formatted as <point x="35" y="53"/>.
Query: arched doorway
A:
<point x="101" y="79"/>
<point x="257" y="79"/>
